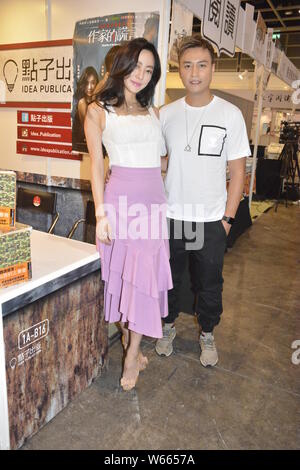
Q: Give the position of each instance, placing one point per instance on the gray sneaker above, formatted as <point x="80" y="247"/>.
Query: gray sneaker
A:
<point x="209" y="354"/>
<point x="164" y="346"/>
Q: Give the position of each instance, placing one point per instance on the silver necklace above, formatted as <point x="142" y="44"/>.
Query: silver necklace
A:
<point x="188" y="147"/>
<point x="130" y="106"/>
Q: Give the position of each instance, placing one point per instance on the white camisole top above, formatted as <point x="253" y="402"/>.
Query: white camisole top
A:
<point x="133" y="141"/>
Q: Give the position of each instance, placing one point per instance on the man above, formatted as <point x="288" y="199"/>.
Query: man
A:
<point x="203" y="134"/>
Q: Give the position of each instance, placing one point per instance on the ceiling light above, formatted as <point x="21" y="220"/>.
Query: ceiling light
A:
<point x="243" y="75"/>
<point x="288" y="12"/>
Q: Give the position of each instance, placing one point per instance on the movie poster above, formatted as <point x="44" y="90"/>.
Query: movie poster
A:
<point x="93" y="39"/>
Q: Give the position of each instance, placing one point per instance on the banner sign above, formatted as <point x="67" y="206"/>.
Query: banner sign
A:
<point x="277" y="49"/>
<point x="286" y="70"/>
<point x="249" y="29"/>
<point x="280" y="99"/>
<point x="259" y="40"/>
<point x="219" y="24"/>
<point x="270" y="49"/>
<point x="36" y="72"/>
<point x="181" y="26"/>
<point x="93" y="38"/>
<point x="240" y="29"/>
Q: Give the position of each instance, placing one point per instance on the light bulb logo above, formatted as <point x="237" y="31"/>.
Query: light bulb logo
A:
<point x="2" y="91"/>
<point x="10" y="72"/>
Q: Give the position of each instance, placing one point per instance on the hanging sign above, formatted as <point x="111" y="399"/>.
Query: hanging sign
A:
<point x="249" y="29"/>
<point x="286" y="70"/>
<point x="240" y="29"/>
<point x="219" y="24"/>
<point x="181" y="26"/>
<point x="269" y="49"/>
<point x="259" y="46"/>
<point x="276" y="55"/>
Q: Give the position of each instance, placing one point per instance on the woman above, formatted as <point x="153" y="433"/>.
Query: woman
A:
<point x="84" y="94"/>
<point x="135" y="266"/>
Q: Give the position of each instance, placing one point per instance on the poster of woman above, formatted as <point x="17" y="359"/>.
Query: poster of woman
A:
<point x="93" y="39"/>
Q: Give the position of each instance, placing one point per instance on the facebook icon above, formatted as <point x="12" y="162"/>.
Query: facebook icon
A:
<point x="25" y="117"/>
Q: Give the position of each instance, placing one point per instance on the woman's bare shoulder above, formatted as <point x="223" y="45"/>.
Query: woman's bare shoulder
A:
<point x="95" y="114"/>
<point x="95" y="111"/>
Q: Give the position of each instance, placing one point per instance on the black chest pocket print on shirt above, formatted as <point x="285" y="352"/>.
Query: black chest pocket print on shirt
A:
<point x="211" y="141"/>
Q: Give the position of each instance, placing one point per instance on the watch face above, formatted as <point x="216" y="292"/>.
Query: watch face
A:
<point x="229" y="220"/>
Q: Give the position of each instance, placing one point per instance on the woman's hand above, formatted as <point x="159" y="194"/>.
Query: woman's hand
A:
<point x="103" y="230"/>
<point x="107" y="176"/>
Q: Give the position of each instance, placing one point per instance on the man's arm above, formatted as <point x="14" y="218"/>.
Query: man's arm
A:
<point x="235" y="189"/>
<point x="164" y="158"/>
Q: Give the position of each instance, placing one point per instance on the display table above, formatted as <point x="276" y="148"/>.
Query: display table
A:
<point x="53" y="338"/>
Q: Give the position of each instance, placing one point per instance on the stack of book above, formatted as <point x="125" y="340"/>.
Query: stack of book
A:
<point x="15" y="250"/>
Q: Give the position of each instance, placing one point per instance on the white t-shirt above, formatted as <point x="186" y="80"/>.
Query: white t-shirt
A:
<point x="196" y="181"/>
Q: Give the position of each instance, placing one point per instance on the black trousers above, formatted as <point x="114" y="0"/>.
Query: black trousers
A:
<point x="206" y="266"/>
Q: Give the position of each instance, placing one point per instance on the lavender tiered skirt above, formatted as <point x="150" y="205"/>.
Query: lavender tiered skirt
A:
<point x="135" y="266"/>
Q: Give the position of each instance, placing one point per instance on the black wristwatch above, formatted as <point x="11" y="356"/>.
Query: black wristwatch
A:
<point x="229" y="220"/>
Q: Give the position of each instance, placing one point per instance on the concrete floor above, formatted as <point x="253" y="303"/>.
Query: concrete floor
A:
<point x="250" y="400"/>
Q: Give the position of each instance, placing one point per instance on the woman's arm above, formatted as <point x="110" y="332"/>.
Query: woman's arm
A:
<point x="94" y="125"/>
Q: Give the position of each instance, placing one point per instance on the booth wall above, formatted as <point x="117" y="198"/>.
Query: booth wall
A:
<point x="40" y="20"/>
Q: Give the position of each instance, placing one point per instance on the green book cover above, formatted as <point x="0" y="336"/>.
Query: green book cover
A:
<point x="7" y="198"/>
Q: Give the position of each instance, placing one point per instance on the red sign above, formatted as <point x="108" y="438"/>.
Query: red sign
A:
<point x="47" y="150"/>
<point x="43" y="118"/>
<point x="49" y="134"/>
<point x="36" y="201"/>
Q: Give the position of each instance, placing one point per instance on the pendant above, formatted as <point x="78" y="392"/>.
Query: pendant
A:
<point x="187" y="148"/>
